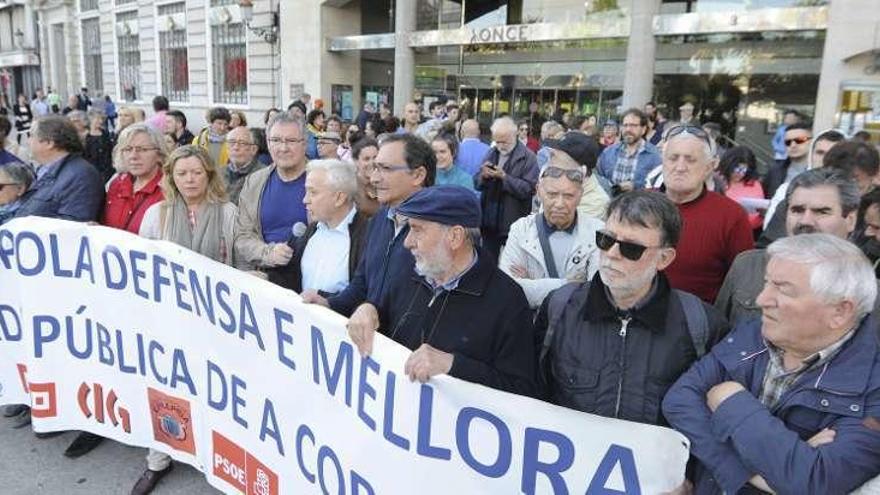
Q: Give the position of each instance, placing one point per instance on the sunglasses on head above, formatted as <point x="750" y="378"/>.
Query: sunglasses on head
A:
<point x="798" y="140"/>
<point x="692" y="130"/>
<point x="632" y="251"/>
<point x="572" y="174"/>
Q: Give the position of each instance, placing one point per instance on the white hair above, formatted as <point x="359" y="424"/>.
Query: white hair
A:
<point x="504" y="125"/>
<point x="838" y="269"/>
<point x="708" y="147"/>
<point x="342" y="176"/>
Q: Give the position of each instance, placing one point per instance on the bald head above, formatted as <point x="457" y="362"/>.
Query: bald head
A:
<point x="470" y="128"/>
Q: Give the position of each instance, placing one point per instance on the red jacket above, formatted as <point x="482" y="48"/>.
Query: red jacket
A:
<point x="124" y="209"/>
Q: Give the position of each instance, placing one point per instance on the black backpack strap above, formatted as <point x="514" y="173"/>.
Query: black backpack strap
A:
<point x="552" y="271"/>
<point x="696" y="319"/>
<point x="555" y="307"/>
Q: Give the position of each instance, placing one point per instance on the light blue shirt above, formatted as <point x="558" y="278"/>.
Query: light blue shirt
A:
<point x="324" y="262"/>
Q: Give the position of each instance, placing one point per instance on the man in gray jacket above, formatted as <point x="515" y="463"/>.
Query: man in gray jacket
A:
<point x="822" y="200"/>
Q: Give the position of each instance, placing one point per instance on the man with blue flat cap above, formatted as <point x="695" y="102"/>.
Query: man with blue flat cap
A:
<point x="458" y="312"/>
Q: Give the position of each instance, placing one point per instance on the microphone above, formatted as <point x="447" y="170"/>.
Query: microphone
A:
<point x="297" y="231"/>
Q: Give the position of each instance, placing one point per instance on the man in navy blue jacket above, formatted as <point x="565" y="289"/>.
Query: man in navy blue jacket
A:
<point x="67" y="186"/>
<point x="791" y="403"/>
<point x="405" y="164"/>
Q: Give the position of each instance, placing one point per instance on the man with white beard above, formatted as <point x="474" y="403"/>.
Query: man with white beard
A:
<point x="613" y="345"/>
<point x="458" y="313"/>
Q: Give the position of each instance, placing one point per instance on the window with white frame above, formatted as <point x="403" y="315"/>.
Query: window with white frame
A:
<point x="228" y="54"/>
<point x="128" y="55"/>
<point x="173" y="61"/>
<point x="92" y="63"/>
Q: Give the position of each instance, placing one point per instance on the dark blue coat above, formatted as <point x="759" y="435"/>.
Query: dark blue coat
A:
<point x="743" y="438"/>
<point x="384" y="259"/>
<point x="71" y="190"/>
<point x="485" y="322"/>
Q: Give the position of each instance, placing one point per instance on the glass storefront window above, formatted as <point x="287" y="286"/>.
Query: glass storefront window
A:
<point x="703" y="6"/>
<point x="860" y="110"/>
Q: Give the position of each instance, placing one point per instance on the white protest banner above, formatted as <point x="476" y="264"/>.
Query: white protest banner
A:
<point x="152" y="345"/>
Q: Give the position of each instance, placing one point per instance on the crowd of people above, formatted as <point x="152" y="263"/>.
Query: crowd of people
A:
<point x="644" y="272"/>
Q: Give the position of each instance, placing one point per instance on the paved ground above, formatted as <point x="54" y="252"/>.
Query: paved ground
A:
<point x="32" y="466"/>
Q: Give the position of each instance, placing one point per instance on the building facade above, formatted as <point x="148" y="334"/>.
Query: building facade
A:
<point x="19" y="51"/>
<point x="740" y="62"/>
<point x="198" y="54"/>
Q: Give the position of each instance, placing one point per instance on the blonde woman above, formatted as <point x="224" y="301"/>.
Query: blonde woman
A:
<point x="196" y="215"/>
<point x="139" y="154"/>
<point x="195" y="212"/>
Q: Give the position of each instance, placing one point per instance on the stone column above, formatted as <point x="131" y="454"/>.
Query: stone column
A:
<point x="638" y="78"/>
<point x="404" y="59"/>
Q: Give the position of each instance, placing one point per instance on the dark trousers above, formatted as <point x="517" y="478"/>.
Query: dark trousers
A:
<point x="493" y="242"/>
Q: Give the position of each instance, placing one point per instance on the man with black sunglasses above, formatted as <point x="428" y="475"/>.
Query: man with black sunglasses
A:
<point x="613" y="345"/>
<point x="556" y="245"/>
<point x="797" y="140"/>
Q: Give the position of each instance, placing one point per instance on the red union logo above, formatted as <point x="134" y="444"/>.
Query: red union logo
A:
<point x="100" y="405"/>
<point x="242" y="470"/>
<point x="43" y="401"/>
<point x="172" y="421"/>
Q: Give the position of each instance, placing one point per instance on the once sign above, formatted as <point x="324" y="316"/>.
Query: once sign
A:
<point x="500" y="34"/>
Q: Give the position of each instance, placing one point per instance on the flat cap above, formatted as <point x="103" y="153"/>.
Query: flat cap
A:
<point x="580" y="147"/>
<point x="446" y="204"/>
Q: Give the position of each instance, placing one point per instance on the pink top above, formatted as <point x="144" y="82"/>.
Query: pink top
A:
<point x="750" y="190"/>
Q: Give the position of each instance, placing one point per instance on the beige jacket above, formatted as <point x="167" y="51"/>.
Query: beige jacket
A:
<point x="594" y="200"/>
<point x="250" y="248"/>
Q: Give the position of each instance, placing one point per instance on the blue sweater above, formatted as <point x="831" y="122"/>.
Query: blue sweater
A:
<point x="383" y="261"/>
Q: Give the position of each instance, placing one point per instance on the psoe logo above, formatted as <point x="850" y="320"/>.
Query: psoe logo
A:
<point x="43" y="401"/>
<point x="172" y="421"/>
<point x="101" y="405"/>
<point x="240" y="469"/>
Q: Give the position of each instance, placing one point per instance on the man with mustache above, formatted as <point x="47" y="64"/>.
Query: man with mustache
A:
<point x="822" y="200"/>
<point x="614" y="344"/>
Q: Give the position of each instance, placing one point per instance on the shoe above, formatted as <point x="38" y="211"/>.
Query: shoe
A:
<point x="149" y="480"/>
<point x="48" y="434"/>
<point x="84" y="443"/>
<point x="23" y="419"/>
<point x="14" y="410"/>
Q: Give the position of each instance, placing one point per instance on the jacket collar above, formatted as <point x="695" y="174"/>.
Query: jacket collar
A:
<point x="652" y="313"/>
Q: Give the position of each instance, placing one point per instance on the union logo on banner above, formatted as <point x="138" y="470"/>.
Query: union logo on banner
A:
<point x="240" y="469"/>
<point x="43" y="401"/>
<point x="172" y="421"/>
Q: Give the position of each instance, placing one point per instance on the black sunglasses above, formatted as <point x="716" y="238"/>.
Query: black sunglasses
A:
<point x="629" y="250"/>
<point x="573" y="174"/>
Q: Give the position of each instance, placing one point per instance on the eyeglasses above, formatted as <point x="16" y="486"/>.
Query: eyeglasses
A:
<point x="573" y="175"/>
<point x="693" y="130"/>
<point x="798" y="140"/>
<point x="629" y="250"/>
<point x="232" y="143"/>
<point x="290" y="142"/>
<point x="137" y="149"/>
<point x="384" y="168"/>
<point x="741" y="169"/>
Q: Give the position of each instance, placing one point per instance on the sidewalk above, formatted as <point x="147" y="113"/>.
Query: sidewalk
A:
<point x="31" y="466"/>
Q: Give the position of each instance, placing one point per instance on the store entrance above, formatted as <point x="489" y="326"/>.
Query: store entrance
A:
<point x="556" y="98"/>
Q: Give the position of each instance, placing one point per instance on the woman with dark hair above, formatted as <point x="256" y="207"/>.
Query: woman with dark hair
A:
<point x="445" y="148"/>
<point x="314" y="126"/>
<point x="23" y="117"/>
<point x="740" y="169"/>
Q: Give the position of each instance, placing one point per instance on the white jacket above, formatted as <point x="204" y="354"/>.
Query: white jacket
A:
<point x="524" y="249"/>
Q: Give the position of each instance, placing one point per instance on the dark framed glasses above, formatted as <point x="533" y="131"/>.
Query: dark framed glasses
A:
<point x="632" y="251"/>
<point x="797" y="140"/>
<point x="572" y="174"/>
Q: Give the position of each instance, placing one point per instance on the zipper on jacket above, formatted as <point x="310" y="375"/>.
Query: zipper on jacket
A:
<point x="624" y="323"/>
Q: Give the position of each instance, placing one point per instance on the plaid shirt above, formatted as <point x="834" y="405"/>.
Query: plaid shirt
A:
<point x="777" y="380"/>
<point x="626" y="164"/>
